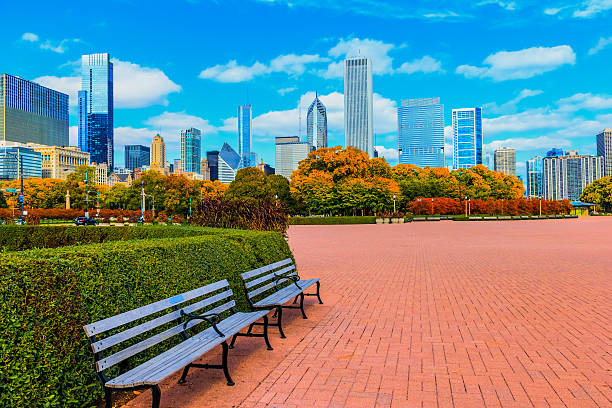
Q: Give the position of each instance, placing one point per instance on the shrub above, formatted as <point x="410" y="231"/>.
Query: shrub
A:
<point x="332" y="220"/>
<point x="46" y="296"/>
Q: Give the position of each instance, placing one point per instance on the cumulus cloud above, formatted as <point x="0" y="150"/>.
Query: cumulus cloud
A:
<point x="390" y="154"/>
<point x="586" y="101"/>
<point x="591" y="8"/>
<point x="135" y="86"/>
<point x="506" y="5"/>
<point x="29" y="37"/>
<point x="284" y="91"/>
<point x="174" y="122"/>
<point x="531" y="119"/>
<point x="603" y="43"/>
<point x="56" y="46"/>
<point x="425" y="65"/>
<point x="526" y="144"/>
<point x="527" y="63"/>
<point x="377" y="51"/>
<point x="511" y="105"/>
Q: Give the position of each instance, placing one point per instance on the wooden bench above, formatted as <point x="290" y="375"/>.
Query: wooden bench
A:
<point x="261" y="281"/>
<point x="175" y="318"/>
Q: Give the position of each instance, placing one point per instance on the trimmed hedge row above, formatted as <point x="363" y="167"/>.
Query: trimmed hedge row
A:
<point x="332" y="220"/>
<point x="46" y="295"/>
<point x="18" y="237"/>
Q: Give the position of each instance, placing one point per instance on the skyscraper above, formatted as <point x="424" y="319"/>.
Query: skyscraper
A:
<point x="228" y="164"/>
<point x="191" y="145"/>
<point x="245" y="136"/>
<point x="157" y="159"/>
<point x="421" y="132"/>
<point x="505" y="161"/>
<point x="289" y="153"/>
<point x="96" y="104"/>
<point x="31" y="113"/>
<point x="212" y="157"/>
<point x="358" y="104"/>
<point x="136" y="156"/>
<point x="604" y="149"/>
<point x="316" y="123"/>
<point x="467" y="137"/>
<point x="534" y="177"/>
<point x="565" y="177"/>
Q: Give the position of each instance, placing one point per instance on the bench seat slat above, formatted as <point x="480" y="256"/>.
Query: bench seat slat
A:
<point x="285" y="294"/>
<point x="159" y="321"/>
<point x="268" y="276"/>
<point x="171" y="361"/>
<point x="258" y="271"/>
<point x="126" y="353"/>
<point x="110" y="323"/>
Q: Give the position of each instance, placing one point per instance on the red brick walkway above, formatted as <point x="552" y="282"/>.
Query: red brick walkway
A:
<point x="447" y="314"/>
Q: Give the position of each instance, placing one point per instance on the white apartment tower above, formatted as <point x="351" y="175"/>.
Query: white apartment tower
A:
<point x="358" y="104"/>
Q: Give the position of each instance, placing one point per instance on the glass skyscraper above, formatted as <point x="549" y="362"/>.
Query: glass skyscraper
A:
<point x="467" y="137"/>
<point x="228" y="163"/>
<point x="289" y="152"/>
<point x="421" y="132"/>
<point x="96" y="108"/>
<point x="15" y="158"/>
<point x="358" y="104"/>
<point x="32" y="113"/>
<point x="136" y="156"/>
<point x="316" y="123"/>
<point x="212" y="157"/>
<point x="534" y="177"/>
<point x="191" y="145"/>
<point x="245" y="136"/>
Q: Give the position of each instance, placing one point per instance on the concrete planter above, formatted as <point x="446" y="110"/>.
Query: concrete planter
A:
<point x="387" y="221"/>
<point x="379" y="220"/>
<point x="395" y="220"/>
<point x="401" y="220"/>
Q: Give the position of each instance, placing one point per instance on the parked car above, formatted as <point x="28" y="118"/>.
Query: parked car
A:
<point x="85" y="221"/>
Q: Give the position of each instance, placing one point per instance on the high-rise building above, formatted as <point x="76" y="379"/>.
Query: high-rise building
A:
<point x="59" y="162"/>
<point x="212" y="157"/>
<point x="565" y="177"/>
<point x="157" y="158"/>
<point x="204" y="169"/>
<point x="289" y="153"/>
<point x="137" y="156"/>
<point x="358" y="104"/>
<point x="604" y="149"/>
<point x="191" y="144"/>
<point x="505" y="161"/>
<point x="15" y="159"/>
<point x="101" y="173"/>
<point x="421" y="132"/>
<point x="245" y="136"/>
<point x="96" y="108"/>
<point x="32" y="113"/>
<point x="467" y="137"/>
<point x="554" y="152"/>
<point x="177" y="166"/>
<point x="534" y="177"/>
<point x="228" y="164"/>
<point x="316" y="124"/>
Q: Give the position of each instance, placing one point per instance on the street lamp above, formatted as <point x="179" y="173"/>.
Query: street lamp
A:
<point x="466" y="206"/>
<point x="419" y="200"/>
<point x="469" y="206"/>
<point x="86" y="195"/>
<point x="432" y="209"/>
<point x="394" y="203"/>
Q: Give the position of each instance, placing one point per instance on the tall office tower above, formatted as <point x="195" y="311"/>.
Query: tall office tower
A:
<point x="245" y="136"/>
<point x="212" y="158"/>
<point x="191" y="145"/>
<point x="358" y="104"/>
<point x="137" y="156"/>
<point x="31" y="113"/>
<point x="316" y="124"/>
<point x="467" y="137"/>
<point x="604" y="149"/>
<point x="204" y="169"/>
<point x="177" y="166"/>
<point x="565" y="177"/>
<point x="554" y="152"/>
<point x="14" y="157"/>
<point x="289" y="153"/>
<point x="421" y="132"/>
<point x="228" y="164"/>
<point x="157" y="159"/>
<point x="534" y="177"/>
<point x="505" y="161"/>
<point x="96" y="108"/>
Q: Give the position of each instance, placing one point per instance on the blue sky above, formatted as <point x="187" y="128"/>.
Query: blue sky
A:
<point x="542" y="70"/>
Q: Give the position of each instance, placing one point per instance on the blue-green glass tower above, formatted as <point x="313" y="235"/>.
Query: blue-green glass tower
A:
<point x="96" y="108"/>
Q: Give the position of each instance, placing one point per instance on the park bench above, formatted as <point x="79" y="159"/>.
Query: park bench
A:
<point x="172" y="318"/>
<point x="277" y="283"/>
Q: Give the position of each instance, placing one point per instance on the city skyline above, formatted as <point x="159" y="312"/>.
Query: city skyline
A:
<point x="553" y="94"/>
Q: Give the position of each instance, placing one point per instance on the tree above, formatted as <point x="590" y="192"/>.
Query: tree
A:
<point x="280" y="188"/>
<point x="250" y="182"/>
<point x="599" y="192"/>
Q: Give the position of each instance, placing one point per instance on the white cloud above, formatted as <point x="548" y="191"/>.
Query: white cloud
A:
<point x="531" y="119"/>
<point x="73" y="135"/>
<point x="526" y="144"/>
<point x="29" y="37"/>
<point x="603" y="43"/>
<point x="390" y="154"/>
<point x="284" y="91"/>
<point x="527" y="63"/>
<point x="437" y="15"/>
<point x="586" y="101"/>
<point x="377" y="51"/>
<point x="135" y="86"/>
<point x="511" y="105"/>
<point x="553" y="11"/>
<point x="507" y="5"/>
<point x="591" y="8"/>
<point x="426" y="65"/>
<point x="232" y="72"/>
<point x="174" y="122"/>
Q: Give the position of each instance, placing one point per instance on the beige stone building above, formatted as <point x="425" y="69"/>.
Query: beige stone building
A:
<point x="204" y="169"/>
<point x="101" y="173"/>
<point x="158" y="154"/>
<point x="59" y="162"/>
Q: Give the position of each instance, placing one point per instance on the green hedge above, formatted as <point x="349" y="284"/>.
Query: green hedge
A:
<point x="46" y="295"/>
<point x="22" y="237"/>
<point x="332" y="220"/>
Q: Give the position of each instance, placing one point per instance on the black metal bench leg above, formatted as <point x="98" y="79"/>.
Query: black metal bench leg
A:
<point x="108" y="398"/>
<point x="265" y="332"/>
<point x="225" y="368"/>
<point x="233" y="341"/>
<point x="156" y="396"/>
<point x="318" y="292"/>
<point x="184" y="376"/>
<point x="296" y="298"/>
<point x="302" y="306"/>
<point x="279" y="312"/>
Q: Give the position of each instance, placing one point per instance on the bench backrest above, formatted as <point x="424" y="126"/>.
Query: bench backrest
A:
<point x="263" y="279"/>
<point x="213" y="298"/>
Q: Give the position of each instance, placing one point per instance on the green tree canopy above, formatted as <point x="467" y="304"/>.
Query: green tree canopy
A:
<point x="599" y="192"/>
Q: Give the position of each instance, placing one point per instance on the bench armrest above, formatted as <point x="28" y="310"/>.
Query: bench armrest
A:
<point x="211" y="319"/>
<point x="294" y="279"/>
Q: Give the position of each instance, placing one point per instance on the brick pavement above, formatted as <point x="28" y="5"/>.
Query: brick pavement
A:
<point x="447" y="314"/>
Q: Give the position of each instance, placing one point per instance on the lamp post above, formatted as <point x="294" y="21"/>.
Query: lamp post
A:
<point x="466" y="206"/>
<point x="419" y="200"/>
<point x="502" y="210"/>
<point x="394" y="203"/>
<point x="469" y="206"/>
<point x="153" y="210"/>
<point x="142" y="207"/>
<point x="98" y="212"/>
<point x="86" y="195"/>
<point x="432" y="209"/>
